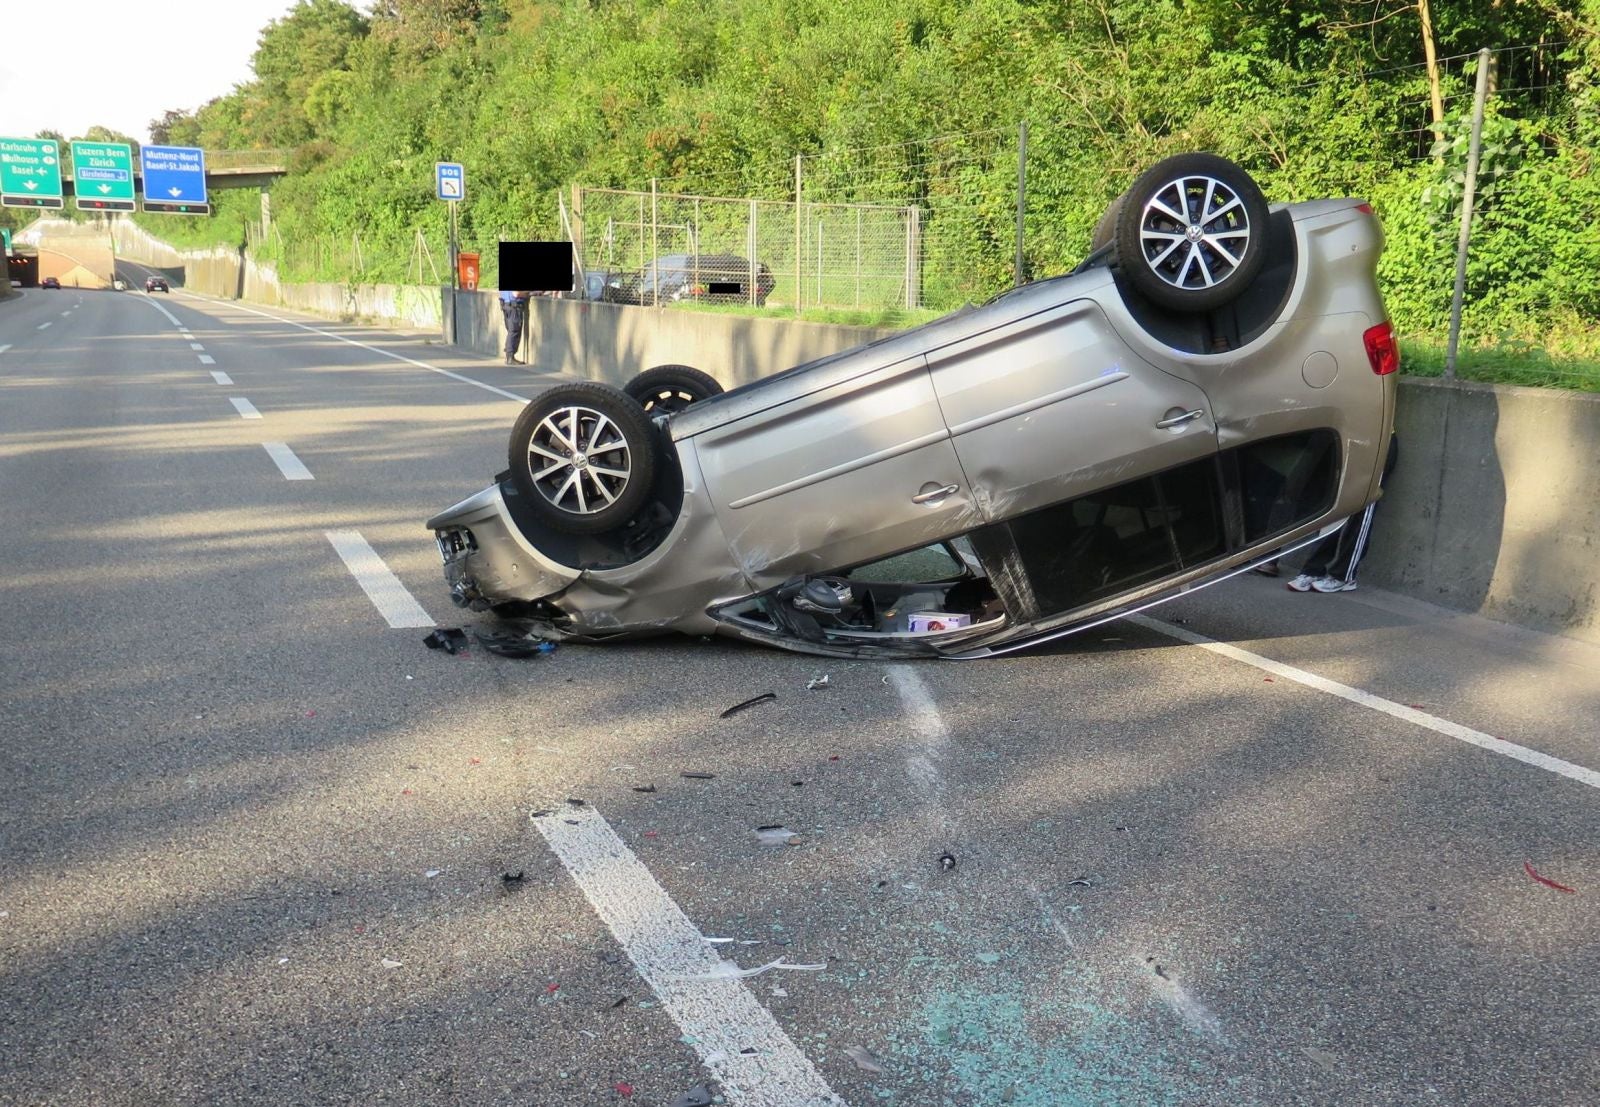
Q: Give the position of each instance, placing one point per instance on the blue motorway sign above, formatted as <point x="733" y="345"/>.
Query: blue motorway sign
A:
<point x="174" y="179"/>
<point x="450" y="180"/>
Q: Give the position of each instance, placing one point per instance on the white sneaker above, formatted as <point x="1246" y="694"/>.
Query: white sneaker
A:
<point x="1333" y="584"/>
<point x="1301" y="583"/>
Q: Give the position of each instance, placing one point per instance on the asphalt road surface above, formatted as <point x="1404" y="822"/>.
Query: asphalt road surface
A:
<point x="259" y="845"/>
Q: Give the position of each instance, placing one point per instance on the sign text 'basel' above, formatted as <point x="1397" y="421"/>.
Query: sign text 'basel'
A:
<point x="30" y="173"/>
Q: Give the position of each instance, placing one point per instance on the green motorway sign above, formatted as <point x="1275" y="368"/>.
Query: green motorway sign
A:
<point x="30" y="173"/>
<point x="102" y="176"/>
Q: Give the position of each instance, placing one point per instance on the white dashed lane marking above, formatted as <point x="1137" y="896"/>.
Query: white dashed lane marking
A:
<point x="244" y="407"/>
<point x="398" y="607"/>
<point x="736" y="1037"/>
<point x="221" y="377"/>
<point x="41" y="326"/>
<point x="288" y="464"/>
<point x="196" y="346"/>
<point x="1377" y="703"/>
<point x="4" y="348"/>
<point x="207" y="359"/>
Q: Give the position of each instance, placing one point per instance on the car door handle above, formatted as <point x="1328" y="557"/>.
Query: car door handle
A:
<point x="1179" y="420"/>
<point x="933" y="494"/>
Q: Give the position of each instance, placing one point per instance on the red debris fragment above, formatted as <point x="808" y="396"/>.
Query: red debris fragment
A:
<point x="476" y="761"/>
<point x="652" y="834"/>
<point x="361" y="929"/>
<point x="1414" y="706"/>
<point x="552" y="988"/>
<point x="624" y="1089"/>
<point x="1546" y="881"/>
<point x="1269" y="680"/>
<point x="833" y="757"/>
<point x="311" y="714"/>
<point x="405" y="791"/>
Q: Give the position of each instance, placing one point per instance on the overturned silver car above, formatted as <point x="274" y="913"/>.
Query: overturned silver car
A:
<point x="1212" y="385"/>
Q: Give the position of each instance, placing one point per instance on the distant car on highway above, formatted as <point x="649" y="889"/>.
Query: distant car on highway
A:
<point x="50" y="282"/>
<point x="156" y="284"/>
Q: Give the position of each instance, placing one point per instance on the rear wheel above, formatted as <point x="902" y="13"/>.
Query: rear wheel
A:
<point x="583" y="455"/>
<point x="671" y="388"/>
<point x="1191" y="232"/>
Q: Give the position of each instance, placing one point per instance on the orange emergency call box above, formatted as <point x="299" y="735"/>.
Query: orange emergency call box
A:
<point x="467" y="270"/>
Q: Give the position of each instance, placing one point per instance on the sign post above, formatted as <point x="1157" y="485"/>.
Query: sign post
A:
<point x="102" y="176"/>
<point x="174" y="180"/>
<point x="30" y="173"/>
<point x="450" y="185"/>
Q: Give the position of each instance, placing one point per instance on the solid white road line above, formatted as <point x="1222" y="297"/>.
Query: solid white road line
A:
<point x="207" y="359"/>
<point x="375" y="349"/>
<point x="244" y="407"/>
<point x="221" y="377"/>
<point x="719" y="1018"/>
<point x="382" y="587"/>
<point x="1378" y="703"/>
<point x="41" y="326"/>
<point x="290" y="466"/>
<point x="173" y="319"/>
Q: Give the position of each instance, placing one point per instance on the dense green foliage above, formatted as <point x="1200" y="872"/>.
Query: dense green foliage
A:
<point x="901" y="100"/>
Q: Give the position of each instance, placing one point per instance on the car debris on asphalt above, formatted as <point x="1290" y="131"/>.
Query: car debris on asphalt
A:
<point x="817" y="682"/>
<point x="864" y="1059"/>
<point x="697" y="1096"/>
<point x="729" y="970"/>
<point x="777" y="836"/>
<point x="751" y="702"/>
<point x="518" y="642"/>
<point x="451" y="640"/>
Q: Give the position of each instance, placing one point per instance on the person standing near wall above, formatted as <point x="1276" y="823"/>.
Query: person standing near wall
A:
<point x="1333" y="561"/>
<point x="514" y="307"/>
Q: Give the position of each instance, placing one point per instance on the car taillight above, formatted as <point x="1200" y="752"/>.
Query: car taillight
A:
<point x="1382" y="350"/>
<point x="1364" y="208"/>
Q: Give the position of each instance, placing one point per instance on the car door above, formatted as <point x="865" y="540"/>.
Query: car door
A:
<point x="1052" y="406"/>
<point x="850" y="472"/>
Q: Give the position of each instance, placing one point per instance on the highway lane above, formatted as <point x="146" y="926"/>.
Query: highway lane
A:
<point x="1174" y="880"/>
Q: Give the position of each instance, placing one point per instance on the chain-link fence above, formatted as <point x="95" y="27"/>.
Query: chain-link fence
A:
<point x="633" y="244"/>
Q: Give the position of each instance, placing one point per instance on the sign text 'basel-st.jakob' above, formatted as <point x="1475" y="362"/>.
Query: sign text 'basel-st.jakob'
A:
<point x="30" y="173"/>
<point x="174" y="179"/>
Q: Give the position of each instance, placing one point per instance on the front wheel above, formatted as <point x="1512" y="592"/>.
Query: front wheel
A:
<point x="1191" y="233"/>
<point x="583" y="455"/>
<point x="671" y="388"/>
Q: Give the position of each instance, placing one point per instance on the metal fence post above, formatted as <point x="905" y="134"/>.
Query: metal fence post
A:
<point x="1022" y="193"/>
<point x="799" y="235"/>
<point x="1480" y="94"/>
<point x="750" y="237"/>
<point x="655" y="277"/>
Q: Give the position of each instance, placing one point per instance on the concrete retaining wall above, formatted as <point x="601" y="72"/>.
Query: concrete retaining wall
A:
<point x="1494" y="506"/>
<point x="612" y="343"/>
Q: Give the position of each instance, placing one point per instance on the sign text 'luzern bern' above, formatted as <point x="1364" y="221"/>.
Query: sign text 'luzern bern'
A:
<point x="102" y="176"/>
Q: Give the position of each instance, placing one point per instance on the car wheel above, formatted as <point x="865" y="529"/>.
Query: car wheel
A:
<point x="1191" y="232"/>
<point x="670" y="388"/>
<point x="583" y="455"/>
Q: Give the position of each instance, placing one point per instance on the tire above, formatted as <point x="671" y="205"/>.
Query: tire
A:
<point x="671" y="388"/>
<point x="1105" y="231"/>
<point x="615" y="465"/>
<point x="1179" y="257"/>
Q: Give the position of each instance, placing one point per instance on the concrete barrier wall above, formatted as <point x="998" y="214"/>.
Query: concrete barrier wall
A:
<point x="1493" y="507"/>
<point x="613" y="343"/>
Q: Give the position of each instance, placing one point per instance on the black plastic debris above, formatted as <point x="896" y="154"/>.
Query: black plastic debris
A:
<point x="751" y="702"/>
<point x="449" y="639"/>
<point x="516" y="642"/>
<point x="540" y="814"/>
<point x="619" y="1003"/>
<point x="511" y="880"/>
<point x="698" y="776"/>
<point x="644" y="787"/>
<point x="697" y="1096"/>
<point x="947" y="862"/>
<point x="1081" y="882"/>
<point x="576" y="802"/>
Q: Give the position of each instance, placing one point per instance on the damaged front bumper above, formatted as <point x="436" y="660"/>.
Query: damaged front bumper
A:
<point x="487" y="561"/>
